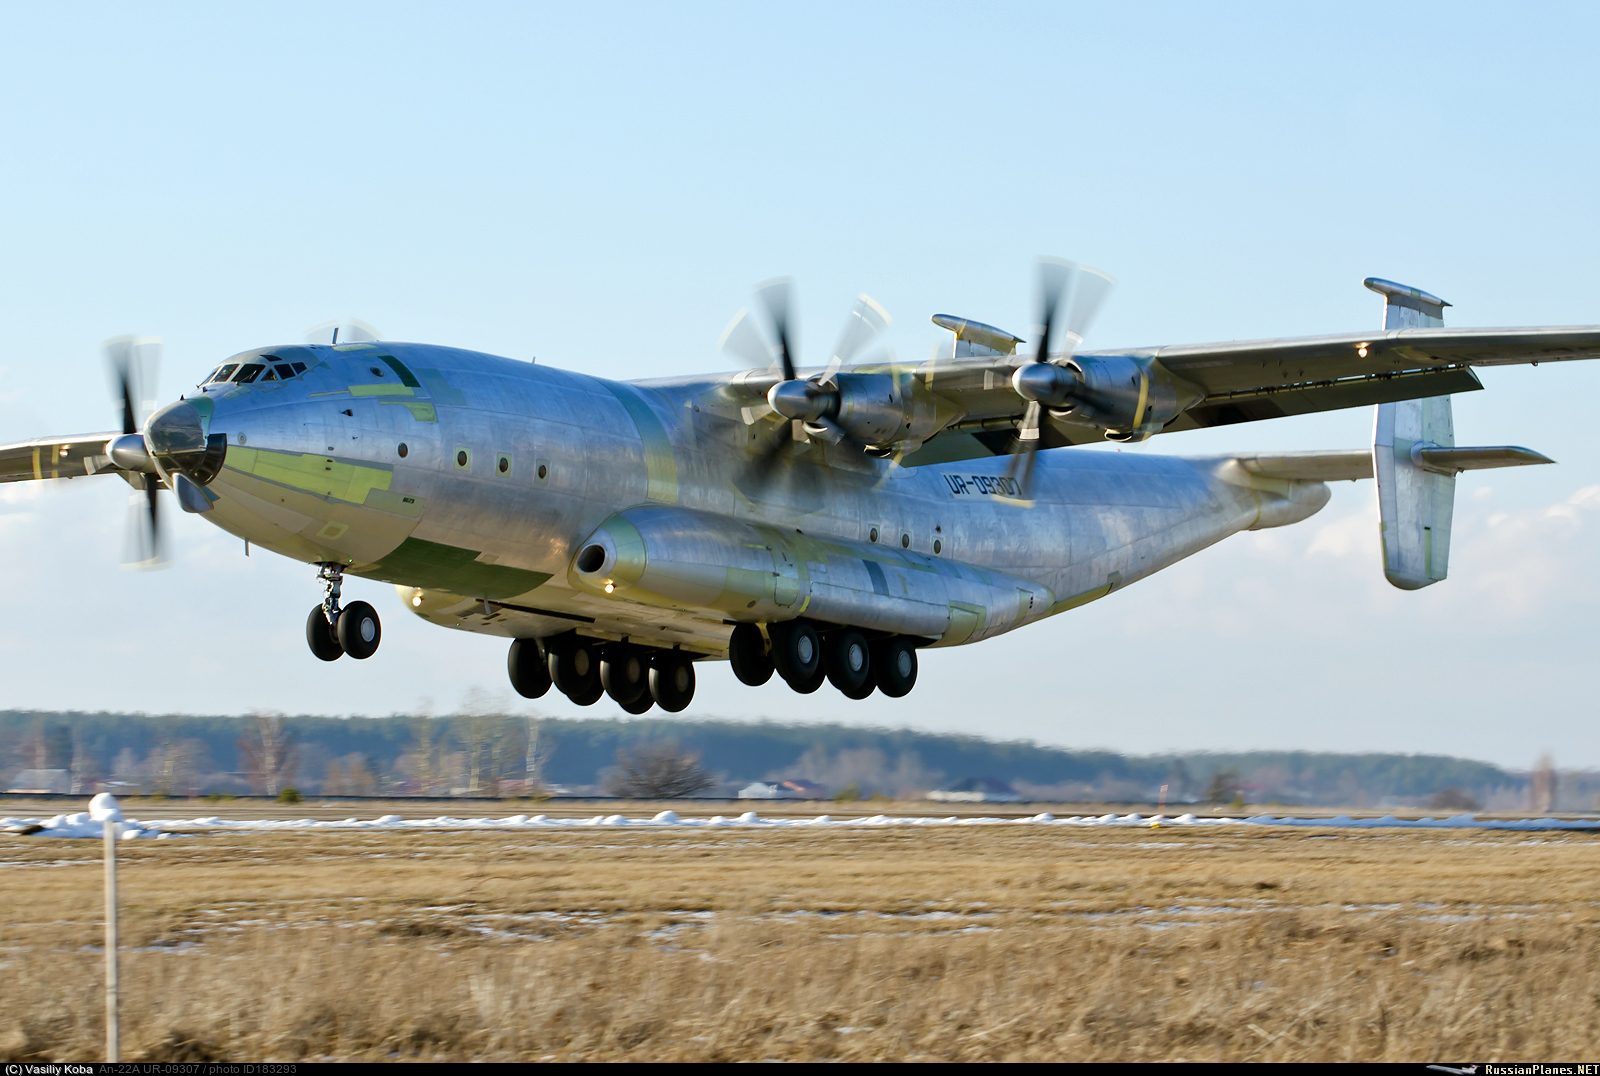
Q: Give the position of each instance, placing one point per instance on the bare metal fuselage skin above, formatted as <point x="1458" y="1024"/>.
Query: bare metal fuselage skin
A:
<point x="511" y="469"/>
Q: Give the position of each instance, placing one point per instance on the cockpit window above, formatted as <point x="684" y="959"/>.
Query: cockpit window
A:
<point x="285" y="371"/>
<point x="248" y="373"/>
<point x="269" y="375"/>
<point x="223" y="373"/>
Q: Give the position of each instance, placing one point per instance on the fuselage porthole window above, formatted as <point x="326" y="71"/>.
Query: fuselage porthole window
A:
<point x="248" y="373"/>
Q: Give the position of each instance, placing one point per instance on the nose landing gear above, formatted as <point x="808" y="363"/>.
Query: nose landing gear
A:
<point x="333" y="631"/>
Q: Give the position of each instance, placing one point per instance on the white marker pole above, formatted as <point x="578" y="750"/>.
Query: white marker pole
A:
<point x="111" y="941"/>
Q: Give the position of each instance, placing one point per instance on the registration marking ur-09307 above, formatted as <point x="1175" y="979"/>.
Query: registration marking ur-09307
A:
<point x="982" y="485"/>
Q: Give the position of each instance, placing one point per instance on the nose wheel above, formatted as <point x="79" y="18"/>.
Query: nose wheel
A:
<point x="333" y="630"/>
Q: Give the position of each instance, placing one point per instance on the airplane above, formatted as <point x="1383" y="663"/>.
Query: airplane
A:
<point x="820" y="524"/>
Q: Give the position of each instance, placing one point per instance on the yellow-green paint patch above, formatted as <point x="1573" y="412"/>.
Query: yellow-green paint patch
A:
<point x="324" y="476"/>
<point x="660" y="464"/>
<point x="387" y="388"/>
<point x="420" y="410"/>
<point x="432" y="566"/>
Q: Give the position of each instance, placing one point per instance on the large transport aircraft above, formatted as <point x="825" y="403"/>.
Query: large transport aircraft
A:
<point x="825" y="524"/>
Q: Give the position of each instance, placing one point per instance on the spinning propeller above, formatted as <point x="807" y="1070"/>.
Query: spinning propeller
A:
<point x="1068" y="293"/>
<point x="134" y="363"/>
<point x="811" y="405"/>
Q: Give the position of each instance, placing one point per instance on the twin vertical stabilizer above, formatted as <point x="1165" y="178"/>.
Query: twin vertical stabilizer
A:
<point x="1415" y="500"/>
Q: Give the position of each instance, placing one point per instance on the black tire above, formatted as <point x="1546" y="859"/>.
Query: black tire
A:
<point x="574" y="664"/>
<point x="797" y="653"/>
<point x="811" y="683"/>
<point x="671" y="680"/>
<point x="525" y="664"/>
<point x="747" y="653"/>
<point x="640" y="705"/>
<point x="894" y="662"/>
<point x="625" y="673"/>
<point x="359" y="630"/>
<point x="320" y="637"/>
<point x="848" y="659"/>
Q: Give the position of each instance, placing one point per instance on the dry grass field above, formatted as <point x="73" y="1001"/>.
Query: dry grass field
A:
<point x="972" y="944"/>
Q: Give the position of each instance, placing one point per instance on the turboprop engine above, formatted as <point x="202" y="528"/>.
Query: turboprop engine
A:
<point x="1128" y="398"/>
<point x="868" y="408"/>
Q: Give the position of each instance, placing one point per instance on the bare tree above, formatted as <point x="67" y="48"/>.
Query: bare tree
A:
<point x="268" y="754"/>
<point x="175" y="766"/>
<point x="540" y="746"/>
<point x="1544" y="784"/>
<point x="656" y="771"/>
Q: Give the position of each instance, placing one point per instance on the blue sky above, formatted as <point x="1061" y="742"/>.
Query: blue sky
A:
<point x="599" y="188"/>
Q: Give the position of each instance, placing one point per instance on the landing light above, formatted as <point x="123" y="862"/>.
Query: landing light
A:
<point x="1362" y="351"/>
<point x="610" y="586"/>
<point x="416" y="599"/>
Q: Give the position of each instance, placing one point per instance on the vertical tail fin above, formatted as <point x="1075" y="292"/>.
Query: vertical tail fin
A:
<point x="1416" y="501"/>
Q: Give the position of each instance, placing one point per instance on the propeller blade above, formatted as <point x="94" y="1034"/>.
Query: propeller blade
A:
<point x="759" y="470"/>
<point x="134" y="363"/>
<point x="119" y="361"/>
<point x="1089" y="290"/>
<point x="1055" y="277"/>
<point x="144" y="547"/>
<point x="775" y="296"/>
<point x="1020" y="467"/>
<point x="743" y="340"/>
<point x="867" y="319"/>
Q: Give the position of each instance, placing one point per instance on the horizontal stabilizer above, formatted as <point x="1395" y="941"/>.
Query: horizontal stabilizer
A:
<point x="1345" y="465"/>
<point x="1478" y="459"/>
<point x="1348" y="465"/>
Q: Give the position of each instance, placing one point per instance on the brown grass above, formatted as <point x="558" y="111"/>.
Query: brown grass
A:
<point x="991" y="943"/>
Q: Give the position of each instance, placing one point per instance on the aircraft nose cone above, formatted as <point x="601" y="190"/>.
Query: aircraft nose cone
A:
<point x="176" y="429"/>
<point x="179" y="441"/>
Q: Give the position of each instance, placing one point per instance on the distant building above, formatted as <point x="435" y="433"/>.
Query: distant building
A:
<point x="42" y="781"/>
<point x="794" y="788"/>
<point x="977" y="790"/>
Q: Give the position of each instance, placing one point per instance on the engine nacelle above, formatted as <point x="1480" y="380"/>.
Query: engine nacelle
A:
<point x="1128" y="398"/>
<point x="869" y="407"/>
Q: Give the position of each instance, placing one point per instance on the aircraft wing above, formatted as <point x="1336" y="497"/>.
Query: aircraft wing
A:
<point x="1244" y="381"/>
<point x="55" y="457"/>
<point x="1259" y="379"/>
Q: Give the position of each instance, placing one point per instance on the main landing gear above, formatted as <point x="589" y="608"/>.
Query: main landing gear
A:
<point x="636" y="677"/>
<point x="332" y="630"/>
<point x="843" y="656"/>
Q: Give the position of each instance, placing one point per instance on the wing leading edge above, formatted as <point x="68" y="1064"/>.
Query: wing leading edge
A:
<point x="56" y="457"/>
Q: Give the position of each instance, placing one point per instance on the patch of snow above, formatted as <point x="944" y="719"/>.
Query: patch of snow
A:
<point x="103" y="810"/>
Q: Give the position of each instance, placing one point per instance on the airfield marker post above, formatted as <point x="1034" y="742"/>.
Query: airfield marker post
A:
<point x="112" y="1037"/>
